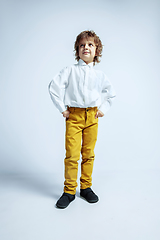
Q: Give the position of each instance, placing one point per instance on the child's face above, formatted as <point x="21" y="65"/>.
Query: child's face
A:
<point x="87" y="50"/>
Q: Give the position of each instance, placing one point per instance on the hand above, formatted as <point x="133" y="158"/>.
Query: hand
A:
<point x="99" y="114"/>
<point x="66" y="113"/>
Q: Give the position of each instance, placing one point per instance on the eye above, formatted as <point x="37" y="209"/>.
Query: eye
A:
<point x="82" y="45"/>
<point x="90" y="44"/>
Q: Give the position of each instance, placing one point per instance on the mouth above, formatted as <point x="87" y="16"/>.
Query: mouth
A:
<point x="85" y="52"/>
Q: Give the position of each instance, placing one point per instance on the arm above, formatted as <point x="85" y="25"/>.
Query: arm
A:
<point x="109" y="95"/>
<point x="57" y="89"/>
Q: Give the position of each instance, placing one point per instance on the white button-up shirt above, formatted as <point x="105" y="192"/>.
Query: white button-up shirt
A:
<point x="80" y="85"/>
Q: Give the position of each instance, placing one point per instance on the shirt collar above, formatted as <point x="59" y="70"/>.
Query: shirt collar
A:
<point x="82" y="63"/>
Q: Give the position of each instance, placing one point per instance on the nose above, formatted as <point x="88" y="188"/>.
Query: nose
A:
<point x="86" y="46"/>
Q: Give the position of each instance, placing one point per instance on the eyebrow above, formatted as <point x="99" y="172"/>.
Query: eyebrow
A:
<point x="88" y="43"/>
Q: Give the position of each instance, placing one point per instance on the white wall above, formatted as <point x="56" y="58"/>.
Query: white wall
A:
<point x="37" y="39"/>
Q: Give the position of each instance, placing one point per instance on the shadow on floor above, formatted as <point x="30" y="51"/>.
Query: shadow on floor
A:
<point x="43" y="184"/>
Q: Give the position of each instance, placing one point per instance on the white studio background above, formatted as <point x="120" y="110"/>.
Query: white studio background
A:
<point x="37" y="39"/>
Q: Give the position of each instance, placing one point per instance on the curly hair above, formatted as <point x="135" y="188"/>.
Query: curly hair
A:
<point x="97" y="41"/>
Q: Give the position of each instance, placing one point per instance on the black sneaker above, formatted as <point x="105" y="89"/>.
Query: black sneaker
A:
<point x="65" y="200"/>
<point x="89" y="195"/>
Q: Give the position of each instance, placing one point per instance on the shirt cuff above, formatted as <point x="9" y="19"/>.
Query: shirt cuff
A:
<point x="63" y="109"/>
<point x="104" y="107"/>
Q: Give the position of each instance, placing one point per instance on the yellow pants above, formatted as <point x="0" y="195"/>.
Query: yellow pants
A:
<point x="81" y="136"/>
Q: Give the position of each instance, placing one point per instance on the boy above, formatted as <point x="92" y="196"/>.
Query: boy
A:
<point x="76" y="92"/>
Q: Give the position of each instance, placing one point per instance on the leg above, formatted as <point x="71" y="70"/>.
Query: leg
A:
<point x="73" y="148"/>
<point x="89" y="136"/>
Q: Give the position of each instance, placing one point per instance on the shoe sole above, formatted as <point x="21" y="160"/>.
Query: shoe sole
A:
<point x="62" y="207"/>
<point x="92" y="201"/>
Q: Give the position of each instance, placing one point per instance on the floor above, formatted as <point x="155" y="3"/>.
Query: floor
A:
<point x="129" y="207"/>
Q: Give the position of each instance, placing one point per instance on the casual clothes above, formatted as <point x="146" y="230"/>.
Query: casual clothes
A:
<point x="80" y="126"/>
<point x="79" y="88"/>
<point x="80" y="85"/>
